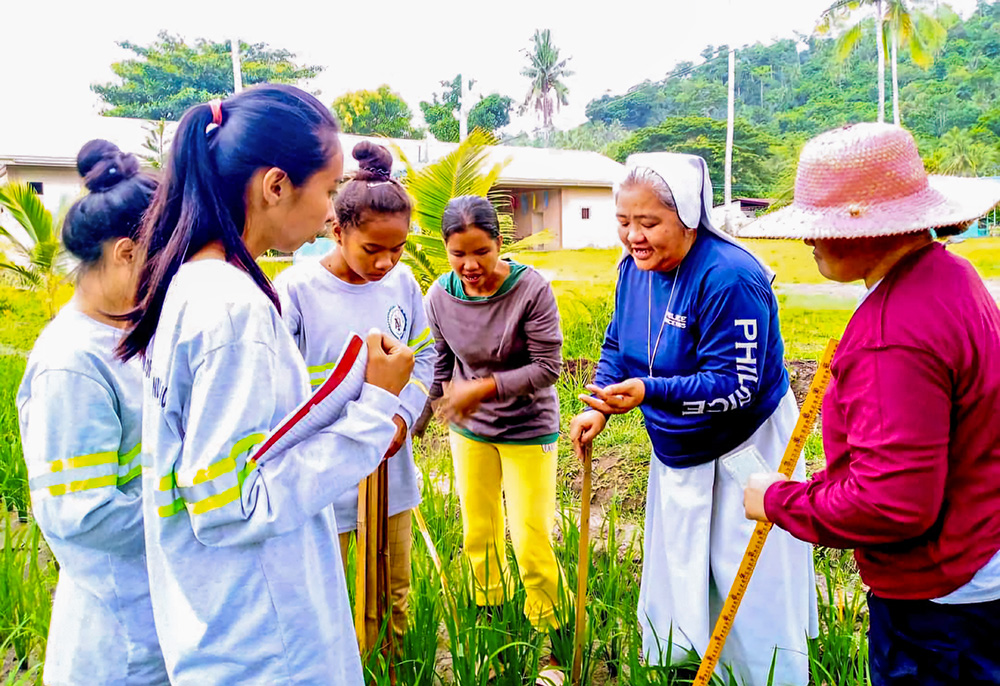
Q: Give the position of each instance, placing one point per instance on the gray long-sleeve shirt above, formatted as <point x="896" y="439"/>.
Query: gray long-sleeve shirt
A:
<point x="513" y="336"/>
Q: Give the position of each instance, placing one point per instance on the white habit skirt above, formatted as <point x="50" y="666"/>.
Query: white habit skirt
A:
<point x="695" y="537"/>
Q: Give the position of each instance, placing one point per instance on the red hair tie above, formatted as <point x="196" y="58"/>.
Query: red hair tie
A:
<point x="216" y="106"/>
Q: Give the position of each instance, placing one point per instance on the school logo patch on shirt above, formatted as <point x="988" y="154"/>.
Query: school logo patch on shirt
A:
<point x="677" y="320"/>
<point x="396" y="321"/>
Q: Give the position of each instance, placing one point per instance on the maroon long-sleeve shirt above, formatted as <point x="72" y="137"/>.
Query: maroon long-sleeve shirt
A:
<point x="911" y="429"/>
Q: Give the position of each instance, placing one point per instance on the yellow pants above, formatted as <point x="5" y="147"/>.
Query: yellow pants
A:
<point x="400" y="528"/>
<point x="523" y="477"/>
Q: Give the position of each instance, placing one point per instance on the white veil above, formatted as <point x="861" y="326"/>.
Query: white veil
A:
<point x="689" y="182"/>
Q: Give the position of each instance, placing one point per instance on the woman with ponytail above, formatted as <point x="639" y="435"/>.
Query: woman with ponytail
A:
<point x="245" y="573"/>
<point x="362" y="281"/>
<point x="81" y="419"/>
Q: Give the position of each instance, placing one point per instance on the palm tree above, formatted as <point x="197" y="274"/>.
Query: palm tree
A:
<point x="40" y="263"/>
<point x="896" y="21"/>
<point x="839" y="13"/>
<point x="919" y="31"/>
<point x="462" y="172"/>
<point x="960" y="154"/>
<point x="546" y="72"/>
<point x="761" y="73"/>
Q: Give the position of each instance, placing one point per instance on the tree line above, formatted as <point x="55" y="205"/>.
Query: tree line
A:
<point x="948" y="77"/>
<point x="910" y="60"/>
<point x="168" y="76"/>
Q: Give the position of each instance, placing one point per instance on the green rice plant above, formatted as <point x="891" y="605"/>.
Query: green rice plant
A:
<point x="839" y="655"/>
<point x="28" y="677"/>
<point x="584" y="320"/>
<point x="26" y="583"/>
<point x="13" y="471"/>
<point x="20" y="673"/>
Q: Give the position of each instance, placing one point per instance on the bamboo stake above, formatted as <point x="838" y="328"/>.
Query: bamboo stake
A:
<point x="372" y="603"/>
<point x="583" y="567"/>
<point x="383" y="603"/>
<point x="361" y="565"/>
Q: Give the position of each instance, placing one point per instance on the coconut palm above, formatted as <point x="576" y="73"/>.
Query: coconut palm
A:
<point x="897" y="22"/>
<point x="960" y="154"/>
<point x="920" y="32"/>
<point x="546" y="72"/>
<point x="464" y="171"/>
<point x="843" y="12"/>
<point x="40" y="252"/>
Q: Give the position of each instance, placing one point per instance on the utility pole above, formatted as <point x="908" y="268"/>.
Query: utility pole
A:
<point x="237" y="73"/>
<point x="729" y="138"/>
<point x="463" y="110"/>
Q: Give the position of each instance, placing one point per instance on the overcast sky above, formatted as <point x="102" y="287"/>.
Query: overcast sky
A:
<point x="53" y="50"/>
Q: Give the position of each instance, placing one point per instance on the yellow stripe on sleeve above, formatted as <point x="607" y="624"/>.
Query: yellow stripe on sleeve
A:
<point x="413" y="342"/>
<point x="83" y="461"/>
<point x="84" y="485"/>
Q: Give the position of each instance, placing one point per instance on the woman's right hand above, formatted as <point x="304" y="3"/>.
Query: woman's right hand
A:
<point x="390" y="363"/>
<point x="584" y="428"/>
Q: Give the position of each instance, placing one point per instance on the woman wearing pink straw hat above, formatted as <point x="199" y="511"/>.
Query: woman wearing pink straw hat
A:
<point x="694" y="343"/>
<point x="910" y="423"/>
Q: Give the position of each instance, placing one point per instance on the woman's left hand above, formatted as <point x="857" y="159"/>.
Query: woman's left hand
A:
<point x="462" y="398"/>
<point x="617" y="398"/>
<point x="753" y="496"/>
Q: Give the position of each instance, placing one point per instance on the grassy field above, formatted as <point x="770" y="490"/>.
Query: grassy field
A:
<point x="447" y="642"/>
<point x="791" y="260"/>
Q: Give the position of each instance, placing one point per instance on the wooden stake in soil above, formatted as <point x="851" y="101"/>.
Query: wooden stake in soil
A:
<point x="583" y="567"/>
<point x="361" y="566"/>
<point x="807" y="417"/>
<point x="371" y="601"/>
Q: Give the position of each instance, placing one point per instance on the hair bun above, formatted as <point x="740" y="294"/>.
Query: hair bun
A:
<point x="374" y="162"/>
<point x="103" y="166"/>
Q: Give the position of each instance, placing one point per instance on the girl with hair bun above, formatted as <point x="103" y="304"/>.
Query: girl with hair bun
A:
<point x="245" y="572"/>
<point x="80" y="411"/>
<point x="362" y="281"/>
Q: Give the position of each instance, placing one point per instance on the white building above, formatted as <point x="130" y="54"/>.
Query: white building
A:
<point x="568" y="192"/>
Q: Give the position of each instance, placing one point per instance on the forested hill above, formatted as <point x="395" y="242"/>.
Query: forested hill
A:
<point x="793" y="89"/>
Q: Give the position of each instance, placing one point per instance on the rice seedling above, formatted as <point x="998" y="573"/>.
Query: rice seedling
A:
<point x="13" y="471"/>
<point x="450" y="640"/>
<point x="27" y="577"/>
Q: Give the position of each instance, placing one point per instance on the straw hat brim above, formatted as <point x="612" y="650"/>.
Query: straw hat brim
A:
<point x="947" y="201"/>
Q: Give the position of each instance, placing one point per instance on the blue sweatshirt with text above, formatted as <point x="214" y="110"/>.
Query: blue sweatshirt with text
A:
<point x="718" y="370"/>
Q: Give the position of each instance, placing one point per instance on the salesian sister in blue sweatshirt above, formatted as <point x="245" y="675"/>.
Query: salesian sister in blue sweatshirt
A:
<point x="718" y="371"/>
<point x="695" y="344"/>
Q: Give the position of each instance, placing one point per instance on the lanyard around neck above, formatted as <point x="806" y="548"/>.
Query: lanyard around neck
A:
<point x="652" y="348"/>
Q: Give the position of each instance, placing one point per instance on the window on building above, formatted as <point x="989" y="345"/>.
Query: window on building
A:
<point x="37" y="186"/>
<point x="585" y="213"/>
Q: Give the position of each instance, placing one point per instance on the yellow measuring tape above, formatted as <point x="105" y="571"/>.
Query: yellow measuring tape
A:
<point x="807" y="418"/>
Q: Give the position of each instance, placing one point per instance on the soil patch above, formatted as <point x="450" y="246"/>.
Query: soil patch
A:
<point x="801" y="373"/>
<point x="612" y="474"/>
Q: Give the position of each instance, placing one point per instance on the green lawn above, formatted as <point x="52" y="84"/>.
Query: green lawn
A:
<point x="984" y="253"/>
<point x="580" y="277"/>
<point x="791" y="260"/>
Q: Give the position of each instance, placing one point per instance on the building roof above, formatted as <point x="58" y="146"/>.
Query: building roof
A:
<point x="54" y="143"/>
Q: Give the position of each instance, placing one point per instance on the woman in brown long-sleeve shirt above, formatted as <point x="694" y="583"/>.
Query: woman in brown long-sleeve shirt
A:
<point x="499" y="353"/>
